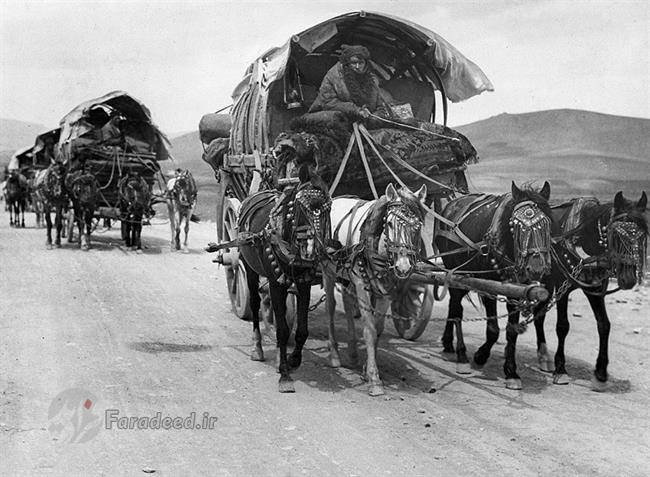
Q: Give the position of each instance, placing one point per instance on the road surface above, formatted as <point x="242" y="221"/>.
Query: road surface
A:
<point x="152" y="334"/>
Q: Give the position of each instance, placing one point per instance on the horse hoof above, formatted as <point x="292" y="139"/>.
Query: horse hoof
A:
<point x="448" y="349"/>
<point x="463" y="368"/>
<point x="257" y="354"/>
<point x="58" y="245"/>
<point x="513" y="384"/>
<point x="48" y="246"/>
<point x="561" y="379"/>
<point x="335" y="362"/>
<point x="286" y="386"/>
<point x="376" y="390"/>
<point x="598" y="386"/>
<point x="139" y="251"/>
<point x="546" y="366"/>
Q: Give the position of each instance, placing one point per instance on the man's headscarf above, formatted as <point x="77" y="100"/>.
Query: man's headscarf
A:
<point x="348" y="51"/>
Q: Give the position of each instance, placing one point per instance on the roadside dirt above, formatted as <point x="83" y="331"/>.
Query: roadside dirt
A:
<point x="154" y="333"/>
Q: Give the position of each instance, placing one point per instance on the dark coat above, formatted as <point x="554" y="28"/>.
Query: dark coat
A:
<point x="334" y="95"/>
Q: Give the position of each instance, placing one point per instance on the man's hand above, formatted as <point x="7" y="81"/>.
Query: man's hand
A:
<point x="364" y="112"/>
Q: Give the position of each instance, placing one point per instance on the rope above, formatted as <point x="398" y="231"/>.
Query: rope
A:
<point x="366" y="166"/>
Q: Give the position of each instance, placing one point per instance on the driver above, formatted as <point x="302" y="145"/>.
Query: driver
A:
<point x="350" y="87"/>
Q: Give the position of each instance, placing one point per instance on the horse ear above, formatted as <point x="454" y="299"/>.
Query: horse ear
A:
<point x="422" y="193"/>
<point x="619" y="201"/>
<point x="516" y="192"/>
<point x="545" y="190"/>
<point x="391" y="193"/>
<point x="643" y="202"/>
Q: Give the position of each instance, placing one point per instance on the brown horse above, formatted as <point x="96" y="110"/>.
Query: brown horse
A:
<point x="282" y="237"/>
<point x="50" y="184"/>
<point x="135" y="198"/>
<point x="17" y="192"/>
<point x="83" y="190"/>
<point x="182" y="192"/>
<point x="599" y="242"/>
<point x="515" y="233"/>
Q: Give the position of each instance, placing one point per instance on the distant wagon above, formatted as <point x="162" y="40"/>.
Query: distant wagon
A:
<point x="113" y="136"/>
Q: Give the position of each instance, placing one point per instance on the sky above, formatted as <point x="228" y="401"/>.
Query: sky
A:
<point x="183" y="59"/>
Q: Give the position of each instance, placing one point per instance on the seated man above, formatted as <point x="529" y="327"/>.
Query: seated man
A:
<point x="350" y="87"/>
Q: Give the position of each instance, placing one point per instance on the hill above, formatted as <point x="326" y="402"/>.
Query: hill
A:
<point x="579" y="152"/>
<point x="15" y="135"/>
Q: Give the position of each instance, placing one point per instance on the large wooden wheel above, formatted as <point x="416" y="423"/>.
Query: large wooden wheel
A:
<point x="227" y="214"/>
<point x="415" y="304"/>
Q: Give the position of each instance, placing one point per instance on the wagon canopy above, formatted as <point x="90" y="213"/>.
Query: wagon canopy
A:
<point x="21" y="159"/>
<point x="284" y="81"/>
<point x="113" y="120"/>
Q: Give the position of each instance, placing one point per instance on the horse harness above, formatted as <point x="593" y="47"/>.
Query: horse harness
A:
<point x="628" y="239"/>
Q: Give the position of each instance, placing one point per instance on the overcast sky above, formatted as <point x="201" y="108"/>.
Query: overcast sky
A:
<point x="182" y="59"/>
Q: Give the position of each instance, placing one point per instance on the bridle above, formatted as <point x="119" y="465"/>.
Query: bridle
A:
<point x="85" y="183"/>
<point x="401" y="234"/>
<point x="180" y="190"/>
<point x="626" y="245"/>
<point x="314" y="221"/>
<point x="134" y="191"/>
<point x="531" y="233"/>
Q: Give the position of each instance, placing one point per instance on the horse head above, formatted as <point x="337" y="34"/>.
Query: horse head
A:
<point x="54" y="181"/>
<point x="530" y="227"/>
<point x="626" y="239"/>
<point x="402" y="222"/>
<point x="184" y="188"/>
<point x="83" y="187"/>
<point x="292" y="149"/>
<point x="134" y="194"/>
<point x="307" y="214"/>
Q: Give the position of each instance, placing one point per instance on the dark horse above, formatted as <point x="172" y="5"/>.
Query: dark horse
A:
<point x="512" y="234"/>
<point x="282" y="237"/>
<point x="50" y="184"/>
<point x="182" y="199"/>
<point x="135" y="197"/>
<point x="83" y="190"/>
<point x="17" y="192"/>
<point x="598" y="241"/>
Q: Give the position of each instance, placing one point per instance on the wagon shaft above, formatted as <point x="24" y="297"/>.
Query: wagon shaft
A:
<point x="534" y="293"/>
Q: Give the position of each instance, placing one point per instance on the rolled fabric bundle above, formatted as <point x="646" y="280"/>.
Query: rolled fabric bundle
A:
<point x="213" y="126"/>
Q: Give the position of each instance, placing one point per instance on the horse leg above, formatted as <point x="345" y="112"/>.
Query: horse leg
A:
<point x="188" y="215"/>
<point x="137" y="228"/>
<point x="48" y="224"/>
<point x="597" y="302"/>
<point x="23" y="206"/>
<point x="491" y="331"/>
<point x="329" y="278"/>
<point x="302" y="325"/>
<point x="88" y="218"/>
<point x="177" y="232"/>
<point x="456" y="317"/>
<point x="562" y="326"/>
<point x="58" y="217"/>
<point x="369" y="334"/>
<point x="455" y="312"/>
<point x="513" y="381"/>
<point x="279" y="303"/>
<point x="253" y="282"/>
<point x="543" y="358"/>
<point x="350" y="308"/>
<point x="172" y="222"/>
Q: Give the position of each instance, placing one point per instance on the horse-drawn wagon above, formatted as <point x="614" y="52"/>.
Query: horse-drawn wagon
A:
<point x="111" y="145"/>
<point x="268" y="127"/>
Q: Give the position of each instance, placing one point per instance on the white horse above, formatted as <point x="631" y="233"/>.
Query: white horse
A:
<point x="380" y="246"/>
<point x="182" y="192"/>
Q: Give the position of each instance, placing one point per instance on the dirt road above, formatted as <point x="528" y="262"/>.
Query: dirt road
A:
<point x="149" y="333"/>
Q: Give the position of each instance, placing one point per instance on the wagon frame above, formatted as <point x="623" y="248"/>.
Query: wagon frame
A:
<point x="281" y="84"/>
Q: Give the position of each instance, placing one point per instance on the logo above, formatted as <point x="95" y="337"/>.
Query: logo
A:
<point x="72" y="418"/>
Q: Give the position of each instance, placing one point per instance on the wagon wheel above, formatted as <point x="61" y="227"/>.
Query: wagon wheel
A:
<point x="416" y="304"/>
<point x="235" y="272"/>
